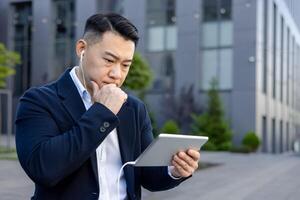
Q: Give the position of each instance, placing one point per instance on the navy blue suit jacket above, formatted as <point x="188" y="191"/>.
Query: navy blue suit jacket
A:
<point x="56" y="141"/>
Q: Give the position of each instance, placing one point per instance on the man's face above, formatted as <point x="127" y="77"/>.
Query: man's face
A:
<point x="108" y="60"/>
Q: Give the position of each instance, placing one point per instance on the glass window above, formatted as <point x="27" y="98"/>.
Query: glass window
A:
<point x="155" y="5"/>
<point x="171" y="37"/>
<point x="226" y="33"/>
<point x="156" y="38"/>
<point x="171" y="16"/>
<point x="161" y="21"/>
<point x="265" y="47"/>
<point x="287" y="136"/>
<point x="156" y="18"/>
<point x="273" y="135"/>
<point x="209" y="63"/>
<point x="164" y="79"/>
<point x="217" y="41"/>
<point x="22" y="25"/>
<point x="110" y="6"/>
<point x="225" y="78"/>
<point x="225" y="9"/>
<point x="288" y="67"/>
<point x="281" y="57"/>
<point x="264" y="134"/>
<point x="274" y="50"/>
<point x="210" y="34"/>
<point x="168" y="72"/>
<point x="281" y="136"/>
<point x="210" y="8"/>
<point x="64" y="35"/>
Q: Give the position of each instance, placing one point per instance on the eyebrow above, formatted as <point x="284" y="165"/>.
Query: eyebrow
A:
<point x="116" y="57"/>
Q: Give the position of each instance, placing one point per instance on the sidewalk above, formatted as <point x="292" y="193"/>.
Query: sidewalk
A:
<point x="238" y="177"/>
<point x="14" y="184"/>
<point x="4" y="141"/>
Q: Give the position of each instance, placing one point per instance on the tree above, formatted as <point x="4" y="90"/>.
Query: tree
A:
<point x="8" y="59"/>
<point x="212" y="123"/>
<point x="170" y="126"/>
<point x="140" y="76"/>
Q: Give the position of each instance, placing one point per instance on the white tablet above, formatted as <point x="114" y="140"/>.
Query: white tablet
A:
<point x="162" y="149"/>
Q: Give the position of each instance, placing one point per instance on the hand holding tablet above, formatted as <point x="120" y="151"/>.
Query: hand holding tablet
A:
<point x="171" y="150"/>
<point x="161" y="151"/>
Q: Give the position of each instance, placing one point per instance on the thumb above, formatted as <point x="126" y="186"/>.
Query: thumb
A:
<point x="95" y="87"/>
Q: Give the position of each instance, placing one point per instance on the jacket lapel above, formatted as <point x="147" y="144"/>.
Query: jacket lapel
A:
<point x="127" y="136"/>
<point x="71" y="100"/>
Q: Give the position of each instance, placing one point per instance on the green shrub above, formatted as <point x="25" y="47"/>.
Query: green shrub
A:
<point x="170" y="126"/>
<point x="225" y="146"/>
<point x="240" y="149"/>
<point x="251" y="141"/>
<point x="209" y="146"/>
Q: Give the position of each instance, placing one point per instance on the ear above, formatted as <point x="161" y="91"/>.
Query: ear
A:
<point x="80" y="46"/>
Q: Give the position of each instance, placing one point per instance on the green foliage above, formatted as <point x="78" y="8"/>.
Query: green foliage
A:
<point x="212" y="123"/>
<point x="209" y="146"/>
<point x="170" y="126"/>
<point x="140" y="75"/>
<point x="240" y="149"/>
<point x="251" y="141"/>
<point x="8" y="153"/>
<point x="8" y="59"/>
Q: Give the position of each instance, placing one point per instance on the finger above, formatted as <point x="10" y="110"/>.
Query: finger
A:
<point x="194" y="154"/>
<point x="186" y="166"/>
<point x="125" y="98"/>
<point x="111" y="85"/>
<point x="188" y="159"/>
<point x="181" y="171"/>
<point x="95" y="87"/>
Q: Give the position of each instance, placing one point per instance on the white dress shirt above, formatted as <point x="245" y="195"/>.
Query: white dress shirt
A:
<point x="108" y="154"/>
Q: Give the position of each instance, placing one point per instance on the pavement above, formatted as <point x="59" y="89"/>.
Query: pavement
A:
<point x="235" y="177"/>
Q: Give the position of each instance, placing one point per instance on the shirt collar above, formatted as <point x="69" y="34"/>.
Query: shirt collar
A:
<point x="84" y="94"/>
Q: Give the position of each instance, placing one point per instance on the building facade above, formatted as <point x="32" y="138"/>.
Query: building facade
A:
<point x="252" y="47"/>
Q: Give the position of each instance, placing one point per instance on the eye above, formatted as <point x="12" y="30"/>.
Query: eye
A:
<point x="108" y="60"/>
<point x="126" y="65"/>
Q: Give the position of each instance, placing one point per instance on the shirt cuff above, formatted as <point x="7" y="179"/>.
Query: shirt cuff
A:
<point x="170" y="168"/>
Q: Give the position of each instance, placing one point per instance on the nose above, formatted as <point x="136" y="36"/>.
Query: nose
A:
<point x="115" y="72"/>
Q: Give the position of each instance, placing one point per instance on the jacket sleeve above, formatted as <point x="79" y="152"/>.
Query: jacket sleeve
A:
<point x="154" y="178"/>
<point x="48" y="155"/>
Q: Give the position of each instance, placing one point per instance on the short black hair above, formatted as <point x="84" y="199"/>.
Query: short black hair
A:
<point x="98" y="24"/>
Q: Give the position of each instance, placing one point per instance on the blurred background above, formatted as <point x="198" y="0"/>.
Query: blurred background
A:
<point x="228" y="69"/>
<point x="249" y="47"/>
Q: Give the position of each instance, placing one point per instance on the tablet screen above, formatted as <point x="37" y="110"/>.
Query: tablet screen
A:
<point x="161" y="150"/>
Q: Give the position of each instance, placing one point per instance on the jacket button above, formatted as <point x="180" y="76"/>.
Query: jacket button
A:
<point x="106" y="124"/>
<point x="102" y="129"/>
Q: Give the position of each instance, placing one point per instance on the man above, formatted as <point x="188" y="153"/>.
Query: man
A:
<point x="74" y="135"/>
